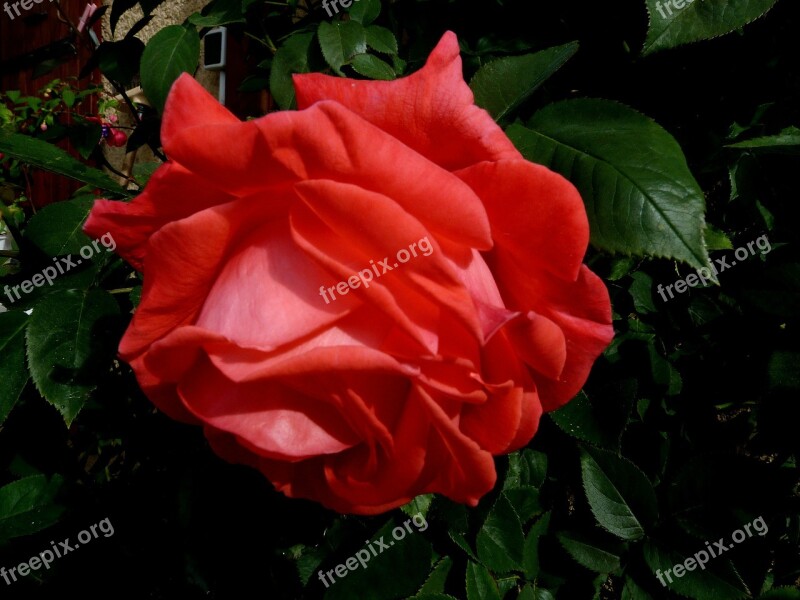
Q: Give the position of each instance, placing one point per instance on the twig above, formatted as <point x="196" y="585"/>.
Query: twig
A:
<point x="28" y="188"/>
<point x="117" y="87"/>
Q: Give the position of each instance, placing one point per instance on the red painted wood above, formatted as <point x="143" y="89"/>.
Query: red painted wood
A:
<point x="35" y="28"/>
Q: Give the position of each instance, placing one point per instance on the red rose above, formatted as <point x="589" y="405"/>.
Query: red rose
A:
<point x="258" y="321"/>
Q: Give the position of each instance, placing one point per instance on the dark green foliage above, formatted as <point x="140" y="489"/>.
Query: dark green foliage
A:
<point x="685" y="434"/>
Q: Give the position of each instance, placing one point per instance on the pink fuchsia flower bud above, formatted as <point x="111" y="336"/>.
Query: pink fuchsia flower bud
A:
<point x="117" y="138"/>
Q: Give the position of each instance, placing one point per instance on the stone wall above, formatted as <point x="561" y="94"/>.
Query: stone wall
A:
<point x="170" y="12"/>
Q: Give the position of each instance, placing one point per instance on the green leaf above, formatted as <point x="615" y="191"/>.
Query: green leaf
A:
<point x="418" y="506"/>
<point x="173" y="50"/>
<point x="136" y="296"/>
<point x="68" y="96"/>
<point x="438" y="577"/>
<point x="786" y="142"/>
<point x="454" y="516"/>
<point x="526" y="473"/>
<point x="633" y="591"/>
<point x="480" y="584"/>
<point x="13" y="370"/>
<point x="219" y="12"/>
<point x="399" y="65"/>
<point x="500" y="541"/>
<point x="663" y="372"/>
<point x="372" y="67"/>
<point x="120" y="60"/>
<point x="143" y="171"/>
<point x="531" y="592"/>
<point x="525" y="500"/>
<point x="462" y="543"/>
<point x="766" y="215"/>
<point x="394" y="573"/>
<point x="621" y="266"/>
<point x="28" y="505"/>
<point x="56" y="229"/>
<point x="381" y="39"/>
<point x="641" y="291"/>
<point x="717" y="581"/>
<point x="51" y="158"/>
<point x="66" y="340"/>
<point x="677" y="22"/>
<point x="579" y="419"/>
<point x="307" y="561"/>
<point x="290" y="58"/>
<point x="341" y="41"/>
<point x="784" y="370"/>
<point x="782" y="593"/>
<point x="621" y="497"/>
<point x="589" y="553"/>
<point x="365" y="11"/>
<point x="85" y="136"/>
<point x="536" y="466"/>
<point x="527" y="593"/>
<point x="503" y="84"/>
<point x="640" y="196"/>
<point x="530" y="560"/>
<point x="716" y="239"/>
<point x="507" y="583"/>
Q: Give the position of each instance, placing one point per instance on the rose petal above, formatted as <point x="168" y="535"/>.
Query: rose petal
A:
<point x="459" y="467"/>
<point x="511" y="412"/>
<point x="540" y="343"/>
<point x="268" y="294"/>
<point x="182" y="281"/>
<point x="283" y="148"/>
<point x="350" y="230"/>
<point x="431" y="111"/>
<point x="172" y="193"/>
<point x="541" y="233"/>
<point x="538" y="218"/>
<point x="159" y="370"/>
<point x="582" y="311"/>
<point x="273" y="420"/>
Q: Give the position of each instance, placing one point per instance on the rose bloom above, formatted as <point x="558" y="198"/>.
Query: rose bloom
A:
<point x="360" y="400"/>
